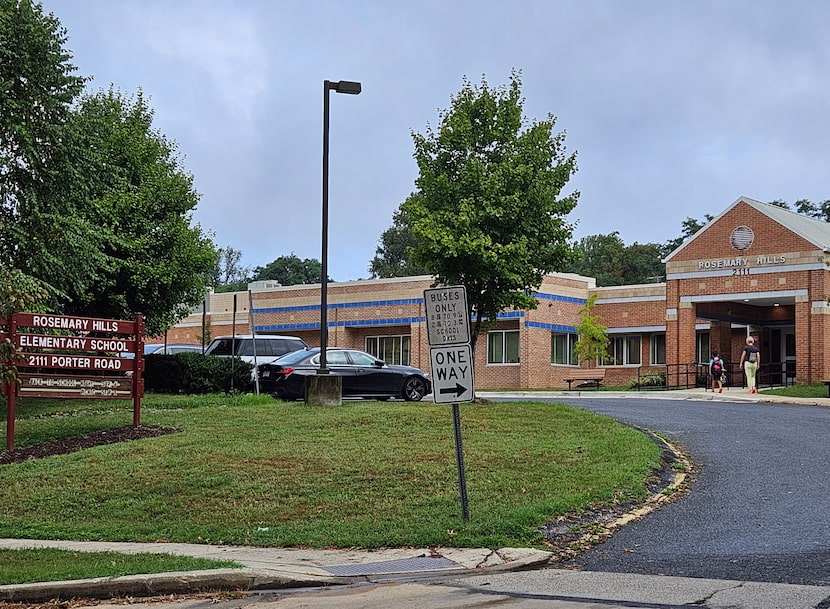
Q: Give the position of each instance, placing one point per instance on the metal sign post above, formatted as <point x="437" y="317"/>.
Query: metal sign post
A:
<point x="451" y="360"/>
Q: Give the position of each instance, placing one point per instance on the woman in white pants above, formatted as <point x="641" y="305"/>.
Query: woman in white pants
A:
<point x="749" y="362"/>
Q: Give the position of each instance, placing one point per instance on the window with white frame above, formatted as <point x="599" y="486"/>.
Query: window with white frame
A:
<point x="658" y="349"/>
<point x="503" y="347"/>
<point x="623" y="350"/>
<point x="391" y="349"/>
<point x="562" y="348"/>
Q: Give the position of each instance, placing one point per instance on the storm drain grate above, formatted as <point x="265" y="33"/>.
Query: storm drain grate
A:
<point x="403" y="565"/>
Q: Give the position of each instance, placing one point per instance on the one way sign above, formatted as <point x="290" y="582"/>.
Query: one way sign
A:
<point x="452" y="374"/>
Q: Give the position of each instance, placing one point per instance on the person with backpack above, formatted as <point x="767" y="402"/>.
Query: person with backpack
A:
<point x="750" y="356"/>
<point x="716" y="370"/>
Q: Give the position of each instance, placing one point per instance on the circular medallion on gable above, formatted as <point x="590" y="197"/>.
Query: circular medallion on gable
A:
<point x="741" y="238"/>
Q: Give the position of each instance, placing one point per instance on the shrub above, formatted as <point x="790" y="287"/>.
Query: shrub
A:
<point x="194" y="373"/>
<point x="654" y="378"/>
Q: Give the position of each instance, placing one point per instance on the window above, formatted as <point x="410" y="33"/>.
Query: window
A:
<point x="562" y="349"/>
<point x="361" y="359"/>
<point x="658" y="349"/>
<point x="623" y="351"/>
<point x="503" y="347"/>
<point x="703" y="348"/>
<point x="633" y="350"/>
<point x="391" y="349"/>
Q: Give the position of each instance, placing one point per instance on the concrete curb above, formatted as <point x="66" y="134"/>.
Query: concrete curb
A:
<point x="162" y="584"/>
<point x="280" y="576"/>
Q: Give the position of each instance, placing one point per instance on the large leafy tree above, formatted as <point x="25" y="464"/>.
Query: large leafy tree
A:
<point x="393" y="255"/>
<point x="40" y="232"/>
<point x="290" y="270"/>
<point x="488" y="212"/>
<point x="611" y="262"/>
<point x="93" y="202"/>
<point x="137" y="192"/>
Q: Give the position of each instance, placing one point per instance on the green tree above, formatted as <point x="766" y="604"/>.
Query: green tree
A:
<point x="819" y="211"/>
<point x="20" y="293"/>
<point x="611" y="262"/>
<point x="592" y="344"/>
<point x="393" y="256"/>
<point x="93" y="202"/>
<point x="40" y="233"/>
<point x="290" y="270"/>
<point x="644" y="263"/>
<point x="137" y="193"/>
<point x="601" y="257"/>
<point x="487" y="212"/>
<point x="229" y="272"/>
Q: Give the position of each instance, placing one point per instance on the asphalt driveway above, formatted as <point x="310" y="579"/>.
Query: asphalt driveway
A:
<point x="759" y="508"/>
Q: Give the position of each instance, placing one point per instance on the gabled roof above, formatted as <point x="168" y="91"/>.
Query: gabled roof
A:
<point x="815" y="231"/>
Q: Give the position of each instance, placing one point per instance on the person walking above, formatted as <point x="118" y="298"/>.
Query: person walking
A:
<point x="716" y="370"/>
<point x="750" y="356"/>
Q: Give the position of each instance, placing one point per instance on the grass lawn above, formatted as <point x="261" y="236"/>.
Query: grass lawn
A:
<point x="50" y="564"/>
<point x="252" y="470"/>
<point x="800" y="391"/>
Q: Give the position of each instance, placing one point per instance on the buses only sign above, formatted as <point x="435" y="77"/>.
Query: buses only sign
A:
<point x="451" y="360"/>
<point x="448" y="321"/>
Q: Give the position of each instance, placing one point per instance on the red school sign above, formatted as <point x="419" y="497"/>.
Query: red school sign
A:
<point x="80" y="357"/>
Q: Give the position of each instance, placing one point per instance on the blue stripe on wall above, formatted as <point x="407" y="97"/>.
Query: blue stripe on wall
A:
<point x="580" y="301"/>
<point x="352" y="323"/>
<point x="551" y="327"/>
<point x="343" y="305"/>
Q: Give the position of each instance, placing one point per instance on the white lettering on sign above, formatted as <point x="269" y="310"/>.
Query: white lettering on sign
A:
<point x="452" y="374"/>
<point x="452" y="365"/>
<point x="107" y="344"/>
<point x="104" y="363"/>
<point x="447" y="317"/>
<point x="60" y="323"/>
<point x="40" y="360"/>
<point x="104" y="325"/>
<point x="733" y="263"/>
<point x="69" y="361"/>
<point x="50" y="342"/>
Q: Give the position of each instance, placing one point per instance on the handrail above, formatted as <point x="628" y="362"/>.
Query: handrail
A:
<point x="689" y="375"/>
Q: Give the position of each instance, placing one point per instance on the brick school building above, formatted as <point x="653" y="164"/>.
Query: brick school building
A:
<point x="755" y="269"/>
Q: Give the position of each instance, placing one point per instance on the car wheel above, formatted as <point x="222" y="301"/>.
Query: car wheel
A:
<point x="414" y="389"/>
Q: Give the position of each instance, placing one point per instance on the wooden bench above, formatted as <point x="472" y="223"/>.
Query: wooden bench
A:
<point x="589" y="376"/>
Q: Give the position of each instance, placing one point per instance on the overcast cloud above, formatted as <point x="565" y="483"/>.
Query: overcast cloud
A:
<point x="675" y="109"/>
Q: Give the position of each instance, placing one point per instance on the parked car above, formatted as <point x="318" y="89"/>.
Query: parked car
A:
<point x="268" y="348"/>
<point x="160" y="349"/>
<point x="364" y="376"/>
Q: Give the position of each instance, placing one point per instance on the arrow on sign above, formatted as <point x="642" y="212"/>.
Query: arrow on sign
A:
<point x="457" y="390"/>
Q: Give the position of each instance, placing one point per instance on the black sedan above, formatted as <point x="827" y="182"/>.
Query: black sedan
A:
<point x="364" y="376"/>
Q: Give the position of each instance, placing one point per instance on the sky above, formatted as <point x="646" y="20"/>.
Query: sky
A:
<point x="674" y="108"/>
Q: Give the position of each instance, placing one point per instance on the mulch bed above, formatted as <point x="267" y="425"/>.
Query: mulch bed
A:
<point x="70" y="445"/>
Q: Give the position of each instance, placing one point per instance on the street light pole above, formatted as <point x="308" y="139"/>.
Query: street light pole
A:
<point x="350" y="88"/>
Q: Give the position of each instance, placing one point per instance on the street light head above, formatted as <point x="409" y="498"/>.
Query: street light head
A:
<point x="346" y="86"/>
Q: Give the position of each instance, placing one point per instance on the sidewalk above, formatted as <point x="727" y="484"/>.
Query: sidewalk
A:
<point x="266" y="568"/>
<point x="477" y="570"/>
